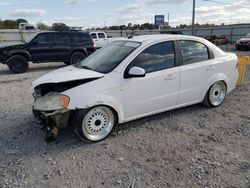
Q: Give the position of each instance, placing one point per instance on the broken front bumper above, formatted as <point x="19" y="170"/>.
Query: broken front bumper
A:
<point x="58" y="117"/>
<point x="52" y="121"/>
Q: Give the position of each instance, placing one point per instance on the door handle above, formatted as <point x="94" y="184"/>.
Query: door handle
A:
<point x="169" y="77"/>
<point x="210" y="68"/>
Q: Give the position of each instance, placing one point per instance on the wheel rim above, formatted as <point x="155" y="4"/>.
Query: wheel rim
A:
<point x="18" y="65"/>
<point x="217" y="93"/>
<point x="98" y="123"/>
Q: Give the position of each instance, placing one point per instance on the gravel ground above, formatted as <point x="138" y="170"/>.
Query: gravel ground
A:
<point x="188" y="147"/>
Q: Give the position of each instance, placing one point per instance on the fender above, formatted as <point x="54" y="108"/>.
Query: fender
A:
<point x="87" y="102"/>
<point x="212" y="80"/>
<point x="79" y="49"/>
<point x="24" y="53"/>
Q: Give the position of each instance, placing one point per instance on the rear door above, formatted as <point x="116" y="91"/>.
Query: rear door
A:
<point x="99" y="38"/>
<point x="63" y="46"/>
<point x="198" y="66"/>
<point x="41" y="47"/>
<point x="102" y="38"/>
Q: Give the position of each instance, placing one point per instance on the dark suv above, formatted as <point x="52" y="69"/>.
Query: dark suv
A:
<point x="67" y="47"/>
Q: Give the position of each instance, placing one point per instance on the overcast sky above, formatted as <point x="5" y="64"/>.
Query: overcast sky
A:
<point x="93" y="13"/>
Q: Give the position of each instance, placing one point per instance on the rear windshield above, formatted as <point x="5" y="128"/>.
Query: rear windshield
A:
<point x="110" y="56"/>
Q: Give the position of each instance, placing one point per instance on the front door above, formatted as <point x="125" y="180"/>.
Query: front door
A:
<point x="158" y="90"/>
<point x="42" y="47"/>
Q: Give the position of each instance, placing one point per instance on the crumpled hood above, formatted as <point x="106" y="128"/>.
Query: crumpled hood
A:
<point x="66" y="74"/>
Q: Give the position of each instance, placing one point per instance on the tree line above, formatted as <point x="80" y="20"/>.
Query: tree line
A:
<point x="14" y="24"/>
<point x="11" y="24"/>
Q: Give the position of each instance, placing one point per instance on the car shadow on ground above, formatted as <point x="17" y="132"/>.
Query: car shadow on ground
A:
<point x="31" y="138"/>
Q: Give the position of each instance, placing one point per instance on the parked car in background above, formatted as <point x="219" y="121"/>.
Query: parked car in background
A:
<point x="130" y="79"/>
<point x="26" y="26"/>
<point x="220" y="40"/>
<point x="100" y="38"/>
<point x="67" y="47"/>
<point x="171" y="32"/>
<point x="243" y="43"/>
<point x="211" y="38"/>
<point x="217" y="39"/>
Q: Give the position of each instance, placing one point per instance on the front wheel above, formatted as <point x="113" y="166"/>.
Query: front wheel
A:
<point x="94" y="124"/>
<point x="216" y="94"/>
<point x="18" y="64"/>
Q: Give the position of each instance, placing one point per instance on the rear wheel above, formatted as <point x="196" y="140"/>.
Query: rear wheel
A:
<point x="76" y="57"/>
<point x="94" y="124"/>
<point x="216" y="94"/>
<point x="238" y="47"/>
<point x="18" y="64"/>
<point x="67" y="63"/>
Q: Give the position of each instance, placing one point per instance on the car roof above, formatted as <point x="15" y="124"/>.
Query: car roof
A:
<point x="63" y="32"/>
<point x="158" y="37"/>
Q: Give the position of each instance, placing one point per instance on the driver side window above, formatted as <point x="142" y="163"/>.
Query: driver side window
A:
<point x="156" y="57"/>
<point x="44" y="39"/>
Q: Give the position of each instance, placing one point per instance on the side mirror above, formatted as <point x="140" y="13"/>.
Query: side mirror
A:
<point x="136" y="72"/>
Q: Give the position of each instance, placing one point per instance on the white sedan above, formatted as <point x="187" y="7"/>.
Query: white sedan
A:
<point x="130" y="79"/>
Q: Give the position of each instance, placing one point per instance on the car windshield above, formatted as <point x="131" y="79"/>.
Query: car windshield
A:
<point x="30" y="38"/>
<point x="110" y="56"/>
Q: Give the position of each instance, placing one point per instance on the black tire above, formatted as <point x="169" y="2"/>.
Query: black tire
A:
<point x="76" y="57"/>
<point x="67" y="63"/>
<point x="78" y="119"/>
<point x="238" y="47"/>
<point x="207" y="99"/>
<point x="18" y="64"/>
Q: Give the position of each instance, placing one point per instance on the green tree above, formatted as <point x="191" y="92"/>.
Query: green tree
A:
<point x="42" y="26"/>
<point x="60" y="27"/>
<point x="21" y="20"/>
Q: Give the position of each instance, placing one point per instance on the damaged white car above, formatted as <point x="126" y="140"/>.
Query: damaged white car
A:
<point x="130" y="79"/>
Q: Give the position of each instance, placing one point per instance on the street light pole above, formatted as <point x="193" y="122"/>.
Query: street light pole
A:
<point x="168" y="19"/>
<point x="193" y="17"/>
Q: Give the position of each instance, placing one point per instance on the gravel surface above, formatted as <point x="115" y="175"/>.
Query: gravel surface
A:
<point x="188" y="147"/>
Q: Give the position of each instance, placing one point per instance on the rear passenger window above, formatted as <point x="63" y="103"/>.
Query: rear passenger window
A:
<point x="157" y="57"/>
<point x="80" y="37"/>
<point x="62" y="38"/>
<point x="101" y="35"/>
<point x="193" y="52"/>
<point x="93" y="35"/>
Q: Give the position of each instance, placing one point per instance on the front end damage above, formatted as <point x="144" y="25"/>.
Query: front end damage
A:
<point x="50" y="106"/>
<point x="51" y="111"/>
<point x="52" y="121"/>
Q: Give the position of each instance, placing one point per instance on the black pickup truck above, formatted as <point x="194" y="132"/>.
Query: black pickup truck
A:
<point x="68" y="47"/>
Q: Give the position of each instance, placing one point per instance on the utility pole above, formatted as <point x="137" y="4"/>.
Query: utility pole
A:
<point x="168" y="19"/>
<point x="193" y="17"/>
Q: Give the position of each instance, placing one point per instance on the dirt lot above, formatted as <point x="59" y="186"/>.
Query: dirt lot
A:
<point x="189" y="147"/>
